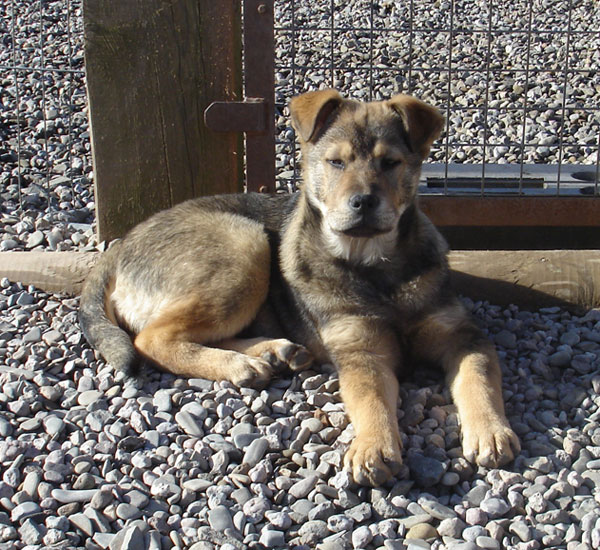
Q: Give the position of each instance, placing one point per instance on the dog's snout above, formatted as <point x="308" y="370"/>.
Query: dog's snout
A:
<point x="363" y="203"/>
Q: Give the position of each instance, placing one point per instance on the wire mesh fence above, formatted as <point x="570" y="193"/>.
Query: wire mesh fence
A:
<point x="45" y="154"/>
<point x="519" y="83"/>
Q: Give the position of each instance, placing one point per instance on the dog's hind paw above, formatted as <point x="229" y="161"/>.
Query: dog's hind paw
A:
<point x="283" y="353"/>
<point x="252" y="372"/>
<point x="373" y="460"/>
<point x="491" y="446"/>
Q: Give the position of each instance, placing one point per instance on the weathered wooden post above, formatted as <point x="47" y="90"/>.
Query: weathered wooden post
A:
<point x="153" y="66"/>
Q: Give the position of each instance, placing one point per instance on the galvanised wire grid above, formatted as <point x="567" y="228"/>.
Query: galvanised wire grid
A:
<point x="45" y="158"/>
<point x="519" y="83"/>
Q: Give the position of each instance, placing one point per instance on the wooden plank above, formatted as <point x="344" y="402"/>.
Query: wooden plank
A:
<point x="446" y="211"/>
<point x="528" y="278"/>
<point x="153" y="66"/>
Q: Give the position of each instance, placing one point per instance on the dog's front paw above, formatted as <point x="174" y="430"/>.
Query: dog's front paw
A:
<point x="492" y="444"/>
<point x="373" y="460"/>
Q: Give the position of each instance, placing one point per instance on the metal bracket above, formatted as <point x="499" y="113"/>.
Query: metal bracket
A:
<point x="256" y="115"/>
<point x="237" y="116"/>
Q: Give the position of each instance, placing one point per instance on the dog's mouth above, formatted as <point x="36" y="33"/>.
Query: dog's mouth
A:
<point x="363" y="231"/>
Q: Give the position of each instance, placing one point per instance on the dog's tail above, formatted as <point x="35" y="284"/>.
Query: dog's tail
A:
<point x="100" y="330"/>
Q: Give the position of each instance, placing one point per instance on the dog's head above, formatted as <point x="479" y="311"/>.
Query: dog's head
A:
<point x="361" y="161"/>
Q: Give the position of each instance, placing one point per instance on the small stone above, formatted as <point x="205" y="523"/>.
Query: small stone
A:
<point x="189" y="424"/>
<point x="67" y="496"/>
<point x="521" y="529"/>
<point x="422" y="531"/>
<point x="436" y="510"/>
<point x="560" y="359"/>
<point x="426" y="471"/>
<point x="570" y="338"/>
<point x="339" y="523"/>
<point x="360" y="513"/>
<point x="255" y="509"/>
<point x="361" y="537"/>
<point x="84" y="481"/>
<point x="53" y="425"/>
<point x="313" y="532"/>
<point x="495" y="507"/>
<point x="25" y="510"/>
<point x="301" y="488"/>
<point x="451" y="527"/>
<point x="127" y="511"/>
<point x="88" y="397"/>
<point x="487" y="543"/>
<point x="30" y="532"/>
<point x="33" y="336"/>
<point x="255" y="452"/>
<point x="272" y="539"/>
<point x="220" y="519"/>
<point x="506" y="339"/>
<point x="83" y="523"/>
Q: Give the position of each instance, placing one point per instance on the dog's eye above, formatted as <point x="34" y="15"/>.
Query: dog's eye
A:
<point x="337" y="163"/>
<point x="388" y="164"/>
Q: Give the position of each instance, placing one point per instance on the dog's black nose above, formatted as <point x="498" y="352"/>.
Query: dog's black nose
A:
<point x="363" y="203"/>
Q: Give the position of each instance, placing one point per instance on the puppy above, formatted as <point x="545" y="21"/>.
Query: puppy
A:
<point x="347" y="271"/>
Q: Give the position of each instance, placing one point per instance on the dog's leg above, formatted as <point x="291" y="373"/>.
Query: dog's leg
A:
<point x="366" y="355"/>
<point x="471" y="364"/>
<point x="176" y="342"/>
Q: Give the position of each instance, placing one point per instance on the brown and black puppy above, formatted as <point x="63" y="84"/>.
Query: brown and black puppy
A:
<point x="348" y="271"/>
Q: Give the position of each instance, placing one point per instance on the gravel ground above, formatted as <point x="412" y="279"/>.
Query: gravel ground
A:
<point x="92" y="460"/>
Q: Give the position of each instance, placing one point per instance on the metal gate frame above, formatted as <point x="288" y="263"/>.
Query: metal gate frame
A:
<point x="255" y="117"/>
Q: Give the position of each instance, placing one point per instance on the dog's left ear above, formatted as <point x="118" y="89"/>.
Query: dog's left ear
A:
<point x="311" y="111"/>
<point x="422" y="122"/>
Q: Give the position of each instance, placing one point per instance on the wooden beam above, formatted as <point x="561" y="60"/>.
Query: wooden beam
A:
<point x="153" y="66"/>
<point x="448" y="211"/>
<point x="528" y="278"/>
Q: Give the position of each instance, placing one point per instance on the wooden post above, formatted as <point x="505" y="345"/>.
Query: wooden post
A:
<point x="153" y="66"/>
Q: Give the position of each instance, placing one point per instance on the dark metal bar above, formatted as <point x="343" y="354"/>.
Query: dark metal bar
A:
<point x="486" y="103"/>
<point x="259" y="55"/>
<point x="525" y="94"/>
<point x="13" y="24"/>
<point x="561" y="131"/>
<point x="435" y="30"/>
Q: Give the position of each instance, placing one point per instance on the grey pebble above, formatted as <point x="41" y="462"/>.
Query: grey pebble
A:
<point x="506" y="339"/>
<point x="272" y="539"/>
<point x="436" y="510"/>
<point x="53" y="425"/>
<point x="83" y="523"/>
<point x="127" y="511"/>
<point x="189" y="424"/>
<point x="495" y="507"/>
<point x="220" y="519"/>
<point x="561" y="358"/>
<point x="25" y="510"/>
<point x="67" y="496"/>
<point x="426" y="471"/>
<point x="255" y="452"/>
<point x="301" y="488"/>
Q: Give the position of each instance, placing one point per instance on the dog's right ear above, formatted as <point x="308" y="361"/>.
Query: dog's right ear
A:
<point x="310" y="112"/>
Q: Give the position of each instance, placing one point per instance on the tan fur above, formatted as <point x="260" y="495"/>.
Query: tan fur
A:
<point x="349" y="269"/>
